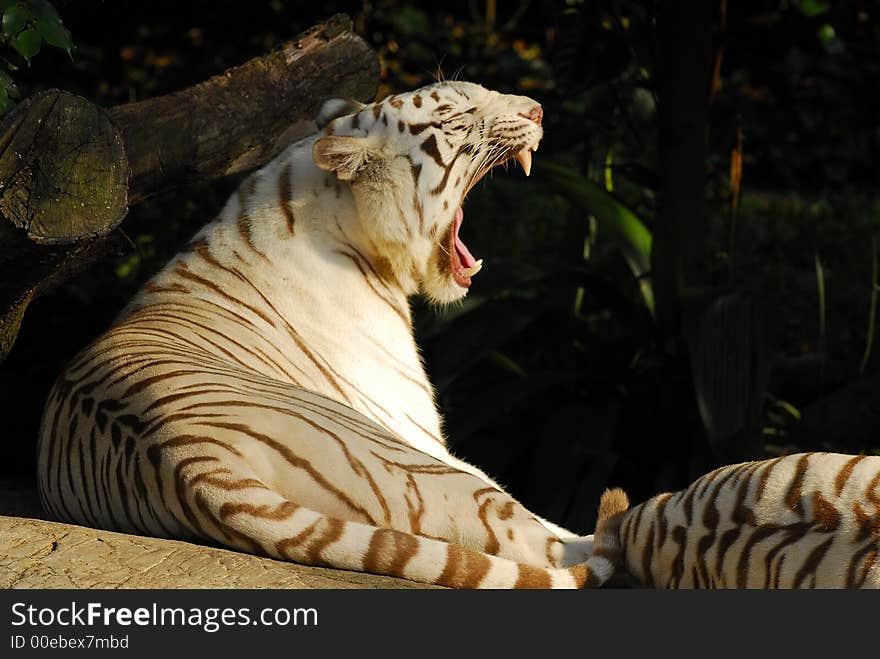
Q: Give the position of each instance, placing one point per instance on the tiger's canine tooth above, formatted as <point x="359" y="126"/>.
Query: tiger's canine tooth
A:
<point x="524" y="158"/>
<point x="474" y="269"/>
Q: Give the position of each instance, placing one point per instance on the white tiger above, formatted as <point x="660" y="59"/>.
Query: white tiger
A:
<point x="809" y="520"/>
<point x="265" y="391"/>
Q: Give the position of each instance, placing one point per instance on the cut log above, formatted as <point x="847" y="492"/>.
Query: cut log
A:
<point x="63" y="169"/>
<point x="38" y="554"/>
<point x="243" y="118"/>
<point x="65" y="163"/>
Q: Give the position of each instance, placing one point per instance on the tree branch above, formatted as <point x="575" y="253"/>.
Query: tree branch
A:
<point x="69" y="170"/>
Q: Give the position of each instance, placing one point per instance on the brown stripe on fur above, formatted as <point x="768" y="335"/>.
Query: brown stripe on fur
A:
<point x="825" y="516"/>
<point x="390" y="551"/>
<point x="325" y="369"/>
<point x="662" y="520"/>
<point x="214" y="329"/>
<point x="417" y="129"/>
<point x="492" y="545"/>
<point x="710" y="520"/>
<point x="533" y="577"/>
<point x="332" y="533"/>
<point x="464" y="568"/>
<point x="425" y="430"/>
<point x="84" y="501"/>
<point x="811" y="563"/>
<point x="171" y="288"/>
<point x="867" y="556"/>
<point x="647" y="556"/>
<point x="357" y="262"/>
<point x="296" y="461"/>
<point x="154" y="453"/>
<point x="243" y="223"/>
<point x="416" y="510"/>
<point x="429" y="146"/>
<point x="284" y="546"/>
<point x="872" y="491"/>
<point x="285" y="194"/>
<point x="186" y="274"/>
<point x="357" y="466"/>
<point x="689" y="502"/>
<point x="283" y="510"/>
<point x="765" y="476"/>
<point x="548" y="549"/>
<point x="180" y="491"/>
<point x="228" y="484"/>
<point x="760" y="534"/>
<point x="433" y="469"/>
<point x="447" y="169"/>
<point x="793" y="497"/>
<point x="506" y="511"/>
<point x="250" y="544"/>
<point x="679" y="536"/>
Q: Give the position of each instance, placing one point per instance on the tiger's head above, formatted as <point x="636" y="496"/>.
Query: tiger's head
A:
<point x="410" y="161"/>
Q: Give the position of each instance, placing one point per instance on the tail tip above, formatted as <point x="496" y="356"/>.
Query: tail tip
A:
<point x="613" y="501"/>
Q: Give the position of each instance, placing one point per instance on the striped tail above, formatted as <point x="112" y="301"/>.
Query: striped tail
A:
<point x="606" y="544"/>
<point x="267" y="523"/>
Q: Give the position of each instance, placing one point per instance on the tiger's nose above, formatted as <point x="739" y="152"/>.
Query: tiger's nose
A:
<point x="536" y="114"/>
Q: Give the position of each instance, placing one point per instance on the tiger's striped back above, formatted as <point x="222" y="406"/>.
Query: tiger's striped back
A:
<point x="809" y="520"/>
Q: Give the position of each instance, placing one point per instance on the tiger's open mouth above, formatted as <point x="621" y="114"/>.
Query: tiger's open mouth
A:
<point x="462" y="262"/>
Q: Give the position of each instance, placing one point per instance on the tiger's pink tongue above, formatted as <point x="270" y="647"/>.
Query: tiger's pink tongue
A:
<point x="464" y="254"/>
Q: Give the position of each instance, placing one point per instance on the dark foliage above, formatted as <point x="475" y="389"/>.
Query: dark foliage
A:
<point x="553" y="374"/>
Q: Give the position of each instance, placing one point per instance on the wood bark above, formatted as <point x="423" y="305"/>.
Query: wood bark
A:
<point x="39" y="554"/>
<point x="69" y="170"/>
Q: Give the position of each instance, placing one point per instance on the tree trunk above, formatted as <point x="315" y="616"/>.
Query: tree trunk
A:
<point x="69" y="170"/>
<point x="684" y="62"/>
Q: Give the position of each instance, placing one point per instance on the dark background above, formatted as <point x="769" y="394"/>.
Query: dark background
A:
<point x="554" y="375"/>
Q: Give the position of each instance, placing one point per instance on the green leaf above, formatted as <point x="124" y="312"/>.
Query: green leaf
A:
<point x="412" y="22"/>
<point x="812" y="7"/>
<point x="7" y="86"/>
<point x="27" y="43"/>
<point x="14" y="21"/>
<point x="55" y="34"/>
<point x="616" y="222"/>
<point x="6" y="81"/>
<point x="505" y="363"/>
<point x="730" y="358"/>
<point x="6" y="5"/>
<point x="820" y="290"/>
<point x="6" y="103"/>
<point x="43" y="10"/>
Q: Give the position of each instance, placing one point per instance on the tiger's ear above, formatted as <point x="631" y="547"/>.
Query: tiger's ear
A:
<point x="336" y="107"/>
<point x="347" y="157"/>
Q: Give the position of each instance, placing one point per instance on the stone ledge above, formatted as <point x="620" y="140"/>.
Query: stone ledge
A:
<point x="39" y="554"/>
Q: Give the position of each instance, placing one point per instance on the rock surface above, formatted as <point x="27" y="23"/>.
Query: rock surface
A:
<point x="39" y="554"/>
